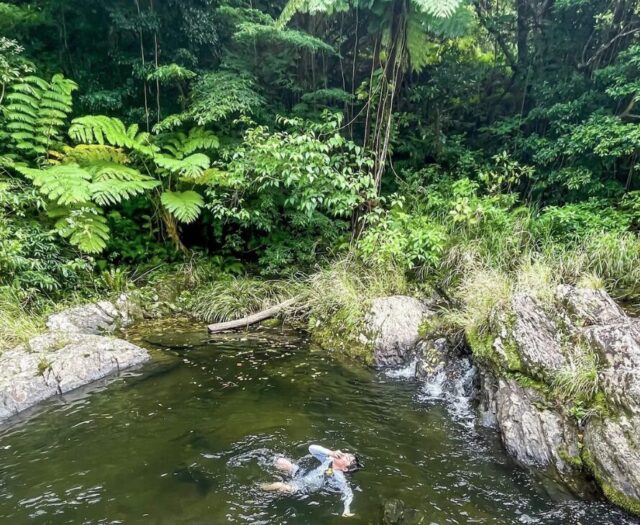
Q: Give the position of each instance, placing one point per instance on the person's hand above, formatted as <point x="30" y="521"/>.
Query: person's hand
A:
<point x="347" y="514"/>
<point x="337" y="454"/>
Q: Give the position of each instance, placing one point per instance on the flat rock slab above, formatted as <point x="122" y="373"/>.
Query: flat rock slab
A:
<point x="56" y="363"/>
<point x="92" y="318"/>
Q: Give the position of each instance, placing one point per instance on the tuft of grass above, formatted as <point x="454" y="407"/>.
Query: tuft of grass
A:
<point x="578" y="381"/>
<point x="484" y="295"/>
<point x="17" y="323"/>
<point x="337" y="299"/>
<point x="234" y="298"/>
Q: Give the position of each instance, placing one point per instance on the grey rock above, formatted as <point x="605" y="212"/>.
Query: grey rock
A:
<point x="487" y="403"/>
<point x="618" y="348"/>
<point x="613" y="445"/>
<point x="393" y="323"/>
<point x="534" y="434"/>
<point x="56" y="363"/>
<point x="589" y="306"/>
<point x="393" y="511"/>
<point x="537" y="338"/>
<point x="94" y="318"/>
<point x="443" y="363"/>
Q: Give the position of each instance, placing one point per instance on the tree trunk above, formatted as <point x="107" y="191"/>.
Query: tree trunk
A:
<point x="522" y="35"/>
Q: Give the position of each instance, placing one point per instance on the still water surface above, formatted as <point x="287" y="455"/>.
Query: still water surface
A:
<point x="186" y="438"/>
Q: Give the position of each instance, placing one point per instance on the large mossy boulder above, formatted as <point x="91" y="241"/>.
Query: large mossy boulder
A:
<point x="534" y="433"/>
<point x="612" y="453"/>
<point x="535" y="383"/>
<point x="393" y="324"/>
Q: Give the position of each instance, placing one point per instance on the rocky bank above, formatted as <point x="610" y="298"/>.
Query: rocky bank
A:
<point x="559" y="380"/>
<point x="75" y="351"/>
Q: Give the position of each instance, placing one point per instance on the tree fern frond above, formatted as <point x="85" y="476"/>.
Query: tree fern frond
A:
<point x="86" y="154"/>
<point x="38" y="110"/>
<point x="180" y="144"/>
<point x="290" y="9"/>
<point x="185" y="206"/>
<point x="23" y="98"/>
<point x="85" y="228"/>
<point x="114" y="190"/>
<point x="189" y="167"/>
<point x="454" y="26"/>
<point x="438" y="8"/>
<point x="100" y="129"/>
<point x="64" y="184"/>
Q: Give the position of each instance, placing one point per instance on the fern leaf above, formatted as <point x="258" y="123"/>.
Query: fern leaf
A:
<point x="438" y="8"/>
<point x="85" y="228"/>
<point x="90" y="154"/>
<point x="185" y="206"/>
<point x="100" y="129"/>
<point x="190" y="167"/>
<point x="63" y="184"/>
<point x="114" y="191"/>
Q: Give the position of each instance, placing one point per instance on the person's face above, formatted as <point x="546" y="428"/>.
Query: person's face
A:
<point x="344" y="461"/>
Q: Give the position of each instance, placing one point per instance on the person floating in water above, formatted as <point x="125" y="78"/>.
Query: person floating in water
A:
<point x="334" y="464"/>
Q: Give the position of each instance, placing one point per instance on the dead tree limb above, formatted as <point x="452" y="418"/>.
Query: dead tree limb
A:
<point x="251" y="319"/>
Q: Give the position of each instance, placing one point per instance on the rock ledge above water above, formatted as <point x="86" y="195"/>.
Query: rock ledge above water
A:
<point x="71" y="354"/>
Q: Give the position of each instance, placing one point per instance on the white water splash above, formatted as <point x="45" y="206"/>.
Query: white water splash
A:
<point x="406" y="372"/>
<point x="455" y="392"/>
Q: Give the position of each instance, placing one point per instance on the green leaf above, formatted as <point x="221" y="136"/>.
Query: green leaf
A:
<point x="66" y="184"/>
<point x="85" y="228"/>
<point x="190" y="167"/>
<point x="185" y="206"/>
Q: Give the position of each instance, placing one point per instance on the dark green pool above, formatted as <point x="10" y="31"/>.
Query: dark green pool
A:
<point x="185" y="439"/>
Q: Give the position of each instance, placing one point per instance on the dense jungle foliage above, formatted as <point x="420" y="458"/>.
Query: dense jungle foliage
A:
<point x="345" y="147"/>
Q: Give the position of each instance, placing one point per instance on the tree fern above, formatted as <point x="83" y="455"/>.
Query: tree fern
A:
<point x="85" y="154"/>
<point x="85" y="228"/>
<point x="36" y="113"/>
<point x="278" y="34"/>
<point x="190" y="167"/>
<point x="100" y="129"/>
<point x="439" y="8"/>
<point x="64" y="185"/>
<point x="113" y="191"/>
<point x="185" y="206"/>
<point x="180" y="144"/>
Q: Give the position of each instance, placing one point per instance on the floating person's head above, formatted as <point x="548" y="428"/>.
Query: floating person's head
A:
<point x="347" y="462"/>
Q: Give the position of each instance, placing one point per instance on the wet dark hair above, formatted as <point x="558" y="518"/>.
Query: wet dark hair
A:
<point x="356" y="464"/>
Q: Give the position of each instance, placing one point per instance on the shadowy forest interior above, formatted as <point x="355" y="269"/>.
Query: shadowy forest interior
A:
<point x="419" y="140"/>
<point x="215" y="158"/>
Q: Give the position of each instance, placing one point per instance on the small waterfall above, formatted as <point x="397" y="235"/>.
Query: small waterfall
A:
<point x="452" y="384"/>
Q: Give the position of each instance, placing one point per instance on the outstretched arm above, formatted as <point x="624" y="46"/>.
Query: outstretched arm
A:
<point x="320" y="453"/>
<point x="347" y="494"/>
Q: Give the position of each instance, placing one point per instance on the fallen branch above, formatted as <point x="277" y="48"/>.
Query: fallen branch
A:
<point x="251" y="319"/>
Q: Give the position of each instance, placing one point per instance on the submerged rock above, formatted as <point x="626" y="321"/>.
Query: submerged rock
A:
<point x="395" y="512"/>
<point x="394" y="324"/>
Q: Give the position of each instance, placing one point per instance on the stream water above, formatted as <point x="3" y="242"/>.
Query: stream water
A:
<point x="187" y="438"/>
